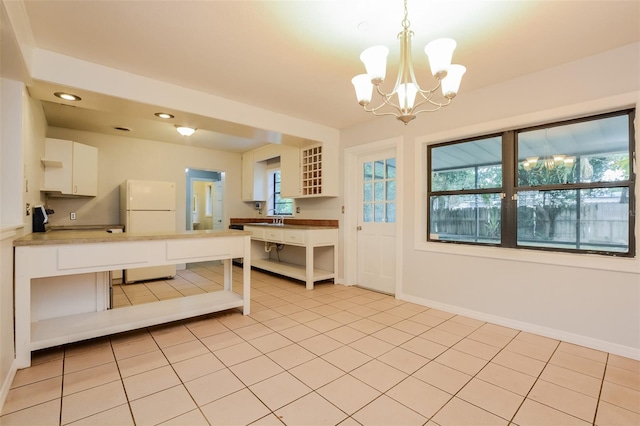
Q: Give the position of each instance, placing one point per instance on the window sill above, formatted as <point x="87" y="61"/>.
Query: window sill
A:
<point x="584" y="261"/>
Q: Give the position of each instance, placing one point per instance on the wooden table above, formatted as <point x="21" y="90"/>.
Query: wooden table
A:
<point x="58" y="253"/>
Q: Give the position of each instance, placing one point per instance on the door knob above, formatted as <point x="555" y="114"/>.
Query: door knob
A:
<point x="359" y="228"/>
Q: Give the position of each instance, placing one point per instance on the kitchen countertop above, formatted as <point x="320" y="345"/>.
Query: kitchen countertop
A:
<point x="75" y="236"/>
<point x="288" y="222"/>
<point x="287" y="226"/>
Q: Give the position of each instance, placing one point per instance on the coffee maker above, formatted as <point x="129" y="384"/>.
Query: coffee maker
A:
<point x="40" y="217"/>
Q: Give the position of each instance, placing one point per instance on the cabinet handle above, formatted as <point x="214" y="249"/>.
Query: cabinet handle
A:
<point x="75" y="189"/>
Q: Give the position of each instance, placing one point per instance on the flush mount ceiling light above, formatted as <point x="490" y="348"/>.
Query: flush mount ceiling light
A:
<point x="185" y="131"/>
<point x="164" y="115"/>
<point x="67" y="96"/>
<point x="406" y="88"/>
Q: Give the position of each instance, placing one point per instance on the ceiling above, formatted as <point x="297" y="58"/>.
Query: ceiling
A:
<point x="298" y="57"/>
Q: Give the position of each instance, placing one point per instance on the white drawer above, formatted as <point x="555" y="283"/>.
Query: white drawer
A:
<point x="96" y="255"/>
<point x="295" y="236"/>
<point x="274" y="235"/>
<point x="221" y="247"/>
<point x="257" y="232"/>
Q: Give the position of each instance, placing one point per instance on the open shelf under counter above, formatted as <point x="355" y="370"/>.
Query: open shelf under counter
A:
<point x="71" y="252"/>
<point x="73" y="328"/>
<point x="291" y="270"/>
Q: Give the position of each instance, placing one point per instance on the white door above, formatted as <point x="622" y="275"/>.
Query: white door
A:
<point x="217" y="205"/>
<point x="377" y="221"/>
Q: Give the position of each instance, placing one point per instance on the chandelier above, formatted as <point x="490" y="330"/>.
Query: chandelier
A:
<point x="405" y="108"/>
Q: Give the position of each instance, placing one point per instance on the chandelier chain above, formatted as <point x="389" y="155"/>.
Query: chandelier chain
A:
<point x="405" y="22"/>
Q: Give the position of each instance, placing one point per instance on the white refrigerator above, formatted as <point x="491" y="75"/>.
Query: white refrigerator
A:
<point x="148" y="207"/>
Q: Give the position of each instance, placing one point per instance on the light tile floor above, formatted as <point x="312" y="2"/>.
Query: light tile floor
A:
<point x="332" y="355"/>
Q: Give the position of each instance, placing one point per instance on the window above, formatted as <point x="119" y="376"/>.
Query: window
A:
<point x="564" y="186"/>
<point x="379" y="191"/>
<point x="279" y="206"/>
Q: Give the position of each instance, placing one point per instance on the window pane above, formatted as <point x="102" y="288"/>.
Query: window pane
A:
<point x="391" y="168"/>
<point x="586" y="219"/>
<point x="378" y="212"/>
<point x="467" y="165"/>
<point x="590" y="151"/>
<point x="367" y="210"/>
<point x="468" y="217"/>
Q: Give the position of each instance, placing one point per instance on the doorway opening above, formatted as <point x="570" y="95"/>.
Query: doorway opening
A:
<point x="205" y="199"/>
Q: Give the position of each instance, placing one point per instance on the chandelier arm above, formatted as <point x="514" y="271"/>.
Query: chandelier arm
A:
<point x="379" y="114"/>
<point x="430" y="92"/>
<point x="439" y="104"/>
<point x="386" y="99"/>
<point x="426" y="97"/>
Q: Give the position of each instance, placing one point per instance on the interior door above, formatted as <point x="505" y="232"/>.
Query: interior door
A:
<point x="217" y="205"/>
<point x="377" y="222"/>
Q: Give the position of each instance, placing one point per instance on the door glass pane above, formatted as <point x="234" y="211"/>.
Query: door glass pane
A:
<point x="379" y="169"/>
<point x="368" y="192"/>
<point x="367" y="210"/>
<point x="379" y="191"/>
<point x="368" y="171"/>
<point x="391" y="168"/>
<point x="391" y="212"/>
<point x="378" y="212"/>
<point x="391" y="190"/>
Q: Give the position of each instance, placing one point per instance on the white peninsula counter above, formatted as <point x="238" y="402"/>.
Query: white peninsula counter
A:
<point x="58" y="253"/>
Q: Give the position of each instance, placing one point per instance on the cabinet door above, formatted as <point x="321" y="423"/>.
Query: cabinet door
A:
<point x="253" y="178"/>
<point x="289" y="172"/>
<point x="247" y="176"/>
<point x="85" y="170"/>
<point x="58" y="178"/>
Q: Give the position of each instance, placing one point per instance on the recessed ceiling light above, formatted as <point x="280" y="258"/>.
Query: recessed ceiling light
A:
<point x="185" y="131"/>
<point x="67" y="96"/>
<point x="164" y="115"/>
<point x="122" y="129"/>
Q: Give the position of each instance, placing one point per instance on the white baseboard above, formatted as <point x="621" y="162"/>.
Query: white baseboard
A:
<point x="577" y="339"/>
<point x="6" y="383"/>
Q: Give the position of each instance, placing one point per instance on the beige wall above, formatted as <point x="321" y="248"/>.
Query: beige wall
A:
<point x="584" y="299"/>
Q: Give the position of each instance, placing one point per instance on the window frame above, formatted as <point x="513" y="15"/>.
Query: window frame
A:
<point x="510" y="187"/>
<point x="273" y="179"/>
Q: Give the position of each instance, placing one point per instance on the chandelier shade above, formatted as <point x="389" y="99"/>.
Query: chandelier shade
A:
<point x="440" y="52"/>
<point x="407" y="99"/>
<point x="375" y="62"/>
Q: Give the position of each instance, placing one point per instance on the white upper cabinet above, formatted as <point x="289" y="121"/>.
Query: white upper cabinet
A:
<point x="253" y="178"/>
<point x="71" y="168"/>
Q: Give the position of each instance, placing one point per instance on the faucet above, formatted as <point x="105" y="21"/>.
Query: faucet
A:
<point x="278" y="219"/>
